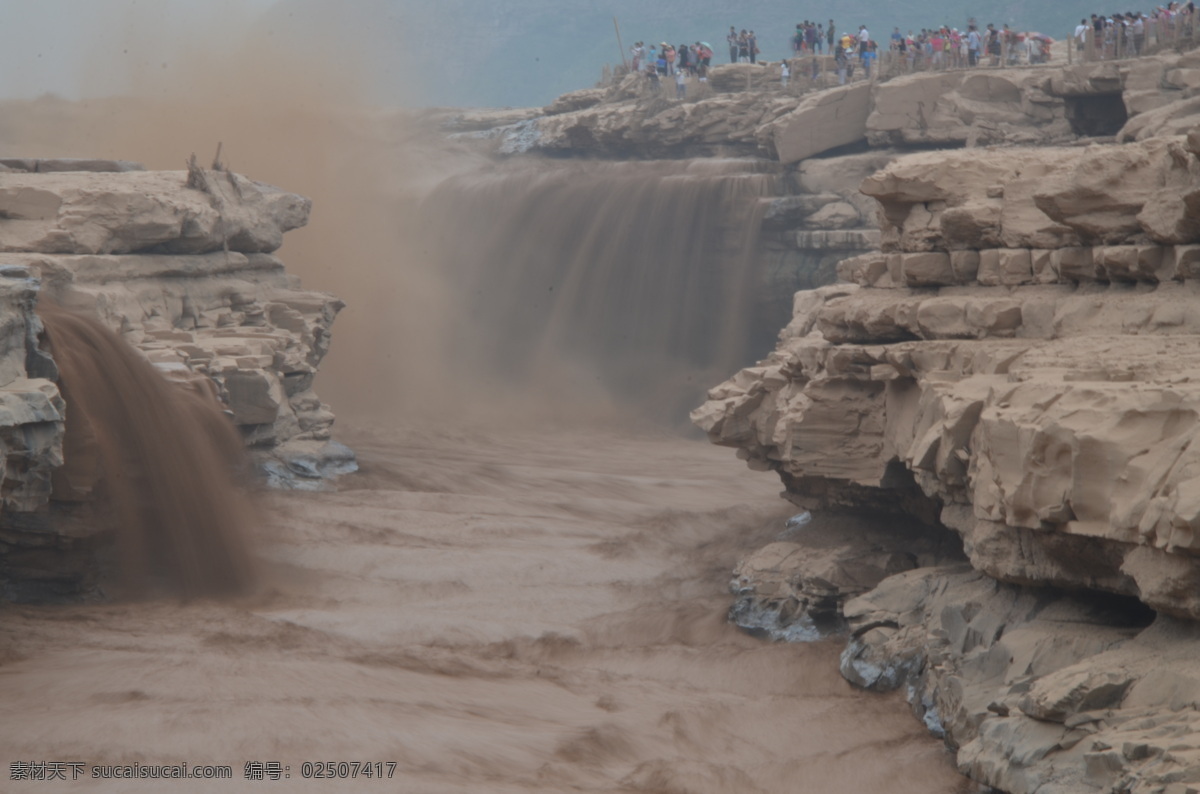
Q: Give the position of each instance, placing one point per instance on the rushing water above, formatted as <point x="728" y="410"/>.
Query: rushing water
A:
<point x="152" y="460"/>
<point x="493" y="613"/>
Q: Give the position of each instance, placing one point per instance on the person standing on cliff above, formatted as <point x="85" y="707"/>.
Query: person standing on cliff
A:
<point x="972" y="46"/>
<point x="752" y="46"/>
<point x="1139" y="32"/>
<point x="868" y="58"/>
<point x="732" y="38"/>
<point x="1081" y="34"/>
<point x="830" y="35"/>
<point x="839" y="60"/>
<point x="993" y="44"/>
<point x="652" y="75"/>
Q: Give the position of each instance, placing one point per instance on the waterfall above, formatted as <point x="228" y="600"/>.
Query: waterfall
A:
<point x="640" y="276"/>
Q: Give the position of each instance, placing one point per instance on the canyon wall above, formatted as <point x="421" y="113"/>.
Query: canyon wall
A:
<point x="1014" y="365"/>
<point x="986" y="411"/>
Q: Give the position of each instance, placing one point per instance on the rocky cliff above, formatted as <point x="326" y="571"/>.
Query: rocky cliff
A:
<point x="986" y="409"/>
<point x="1013" y="369"/>
<point x="180" y="264"/>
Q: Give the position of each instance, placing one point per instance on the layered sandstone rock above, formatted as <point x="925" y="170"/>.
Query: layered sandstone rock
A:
<point x="186" y="275"/>
<point x="1017" y="363"/>
<point x="813" y="226"/>
<point x="1008" y="381"/>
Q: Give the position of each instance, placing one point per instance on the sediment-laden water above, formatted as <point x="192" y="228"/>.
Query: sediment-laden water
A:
<point x="153" y="461"/>
<point x="493" y="613"/>
<point x="636" y="280"/>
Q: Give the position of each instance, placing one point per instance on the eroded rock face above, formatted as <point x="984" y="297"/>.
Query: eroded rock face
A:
<point x="967" y="108"/>
<point x="186" y="276"/>
<point x="1018" y="362"/>
<point x="1042" y="396"/>
<point x="1037" y="691"/>
<point x="806" y="232"/>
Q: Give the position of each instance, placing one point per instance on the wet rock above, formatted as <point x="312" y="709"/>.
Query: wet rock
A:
<point x="307" y="465"/>
<point x="794" y="589"/>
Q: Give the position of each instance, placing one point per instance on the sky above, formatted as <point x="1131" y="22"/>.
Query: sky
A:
<point x="425" y="52"/>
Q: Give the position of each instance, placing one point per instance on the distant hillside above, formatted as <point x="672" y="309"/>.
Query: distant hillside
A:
<point x="526" y="52"/>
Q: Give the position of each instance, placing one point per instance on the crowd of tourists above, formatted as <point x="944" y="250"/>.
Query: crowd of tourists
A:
<point x="666" y="61"/>
<point x="1103" y="36"/>
<point x="1123" y="34"/>
<point x="950" y="48"/>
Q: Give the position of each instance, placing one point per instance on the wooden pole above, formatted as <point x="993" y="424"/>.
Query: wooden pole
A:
<point x="620" y="46"/>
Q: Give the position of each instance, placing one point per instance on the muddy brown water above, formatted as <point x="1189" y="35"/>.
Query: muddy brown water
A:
<point x="493" y="612"/>
<point x="154" y="461"/>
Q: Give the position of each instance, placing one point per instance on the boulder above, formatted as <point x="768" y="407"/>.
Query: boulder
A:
<point x="823" y="121"/>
